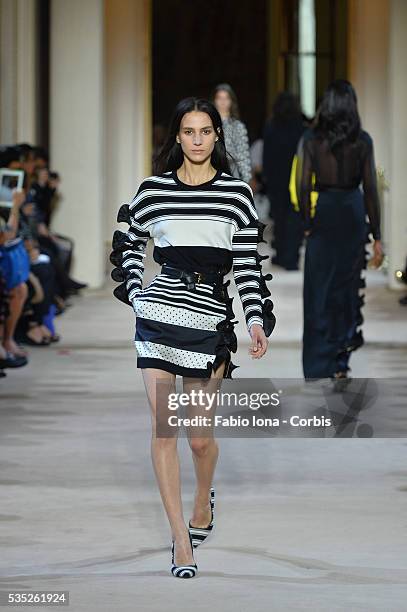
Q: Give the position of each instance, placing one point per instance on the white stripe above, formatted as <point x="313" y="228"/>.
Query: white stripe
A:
<point x="198" y="309"/>
<point x="175" y="315"/>
<point x="189" y="359"/>
<point x="253" y="320"/>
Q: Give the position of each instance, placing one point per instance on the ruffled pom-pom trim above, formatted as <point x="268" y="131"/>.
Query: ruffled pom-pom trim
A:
<point x="121" y="294"/>
<point x="261" y="227"/>
<point x="269" y="319"/>
<point x="120" y="243"/>
<point x="227" y="340"/>
<point x="117" y="275"/>
<point x="357" y="339"/>
<point x="123" y="215"/>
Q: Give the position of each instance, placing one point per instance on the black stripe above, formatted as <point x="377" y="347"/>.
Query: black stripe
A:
<point x="173" y="368"/>
<point x="175" y="336"/>
<point x="201" y="307"/>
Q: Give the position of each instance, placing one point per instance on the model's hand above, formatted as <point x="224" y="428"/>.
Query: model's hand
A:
<point x="259" y="341"/>
<point x="378" y="254"/>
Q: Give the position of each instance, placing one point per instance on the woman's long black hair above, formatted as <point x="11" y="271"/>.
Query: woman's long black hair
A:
<point x="338" y="117"/>
<point x="286" y="107"/>
<point x="171" y="156"/>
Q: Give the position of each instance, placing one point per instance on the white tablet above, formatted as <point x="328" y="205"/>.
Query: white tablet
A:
<point x="9" y="180"/>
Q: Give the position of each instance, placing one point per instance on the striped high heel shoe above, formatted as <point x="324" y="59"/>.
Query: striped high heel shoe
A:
<point x="199" y="534"/>
<point x="183" y="571"/>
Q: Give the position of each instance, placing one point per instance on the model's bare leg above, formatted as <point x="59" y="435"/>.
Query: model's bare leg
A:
<point x="204" y="448"/>
<point x="166" y="465"/>
<point x="17" y="297"/>
<point x="3" y="354"/>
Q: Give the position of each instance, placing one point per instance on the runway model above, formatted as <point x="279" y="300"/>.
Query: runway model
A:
<point x="339" y="154"/>
<point x="203" y="223"/>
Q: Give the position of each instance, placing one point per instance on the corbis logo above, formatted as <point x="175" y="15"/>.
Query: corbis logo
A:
<point x="361" y="408"/>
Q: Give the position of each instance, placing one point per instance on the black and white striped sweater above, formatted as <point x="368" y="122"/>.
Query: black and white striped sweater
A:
<point x="213" y="226"/>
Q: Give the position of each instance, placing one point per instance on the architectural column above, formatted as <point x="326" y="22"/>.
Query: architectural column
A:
<point x="368" y="57"/>
<point x="18" y="68"/>
<point x="128" y="102"/>
<point x="396" y="121"/>
<point x="368" y="28"/>
<point x="76" y="130"/>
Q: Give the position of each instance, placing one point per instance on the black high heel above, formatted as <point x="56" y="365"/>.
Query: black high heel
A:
<point x="183" y="571"/>
<point x="199" y="534"/>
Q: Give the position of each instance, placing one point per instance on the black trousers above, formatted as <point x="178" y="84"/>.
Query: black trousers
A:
<point x="60" y="262"/>
<point x="334" y="259"/>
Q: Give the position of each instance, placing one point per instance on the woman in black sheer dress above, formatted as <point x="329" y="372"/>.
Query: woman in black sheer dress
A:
<point x="339" y="156"/>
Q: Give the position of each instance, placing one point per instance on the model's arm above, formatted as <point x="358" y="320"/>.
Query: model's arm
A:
<point x="133" y="258"/>
<point x="243" y="152"/>
<point x="247" y="274"/>
<point x="371" y="196"/>
<point x="304" y="181"/>
<point x="129" y="249"/>
<point x="247" y="269"/>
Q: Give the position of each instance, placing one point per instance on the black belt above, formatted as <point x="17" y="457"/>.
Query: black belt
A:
<point x="190" y="278"/>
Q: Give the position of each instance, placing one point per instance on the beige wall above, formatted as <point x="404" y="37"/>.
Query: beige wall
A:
<point x="377" y="67"/>
<point x="76" y="130"/>
<point x="100" y="119"/>
<point x="368" y="68"/>
<point x="18" y="66"/>
<point x="396" y="124"/>
<point x="128" y="102"/>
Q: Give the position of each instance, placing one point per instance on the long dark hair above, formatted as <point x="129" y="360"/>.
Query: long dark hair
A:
<point x="286" y="107"/>
<point x="234" y="107"/>
<point x="171" y="156"/>
<point x="338" y="117"/>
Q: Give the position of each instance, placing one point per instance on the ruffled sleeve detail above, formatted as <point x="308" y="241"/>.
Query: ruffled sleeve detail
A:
<point x="250" y="281"/>
<point x="227" y="335"/>
<point x="356" y="339"/>
<point x="263" y="305"/>
<point x="128" y="253"/>
<point x="269" y="319"/>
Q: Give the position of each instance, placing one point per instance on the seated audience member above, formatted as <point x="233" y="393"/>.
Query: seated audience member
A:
<point x="36" y="326"/>
<point x="35" y="262"/>
<point x="14" y="265"/>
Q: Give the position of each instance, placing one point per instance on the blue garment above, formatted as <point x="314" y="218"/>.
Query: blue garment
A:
<point x="14" y="263"/>
<point x="48" y="319"/>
